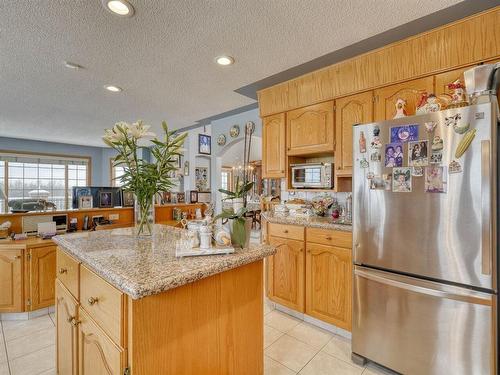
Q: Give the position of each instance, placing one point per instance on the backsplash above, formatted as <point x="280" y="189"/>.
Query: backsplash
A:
<point x="308" y="195"/>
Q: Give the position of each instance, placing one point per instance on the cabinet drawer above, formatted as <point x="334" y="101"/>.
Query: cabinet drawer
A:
<point x="292" y="232"/>
<point x="68" y="272"/>
<point x="104" y="303"/>
<point x="329" y="237"/>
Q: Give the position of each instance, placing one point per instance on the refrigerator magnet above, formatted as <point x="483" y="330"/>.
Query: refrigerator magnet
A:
<point x="362" y="143"/>
<point x="452" y="120"/>
<point x="377" y="183"/>
<point x="394" y="155"/>
<point x="363" y="163"/>
<point x="435" y="179"/>
<point x="375" y="157"/>
<point x="370" y="175"/>
<point x="401" y="180"/>
<point x="417" y="171"/>
<point x="430" y="126"/>
<point x="454" y="167"/>
<point x="405" y="133"/>
<point x="387" y="181"/>
<point x="461" y="127"/>
<point x="418" y="153"/>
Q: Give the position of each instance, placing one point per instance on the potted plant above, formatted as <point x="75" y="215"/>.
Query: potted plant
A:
<point x="145" y="179"/>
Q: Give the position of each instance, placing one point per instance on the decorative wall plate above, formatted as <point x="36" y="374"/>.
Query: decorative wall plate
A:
<point x="234" y="131"/>
<point x="221" y="140"/>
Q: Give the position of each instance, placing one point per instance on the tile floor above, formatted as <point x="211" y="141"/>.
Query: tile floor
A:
<point x="27" y="347"/>
<point x="291" y="346"/>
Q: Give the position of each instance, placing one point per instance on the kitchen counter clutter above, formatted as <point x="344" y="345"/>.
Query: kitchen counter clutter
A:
<point x="144" y="266"/>
<point x="129" y="305"/>
<point x="307" y="221"/>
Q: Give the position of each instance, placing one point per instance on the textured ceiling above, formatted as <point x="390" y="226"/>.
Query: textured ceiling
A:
<point x="163" y="56"/>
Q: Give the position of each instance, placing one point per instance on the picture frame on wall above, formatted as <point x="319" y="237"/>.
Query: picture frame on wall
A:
<point x="186" y="168"/>
<point x="204" y="144"/>
<point x="128" y="199"/>
<point x="85" y="201"/>
<point x="106" y="199"/>
<point x="201" y="179"/>
<point x="193" y="196"/>
<point x="181" y="198"/>
<point x="167" y="197"/>
<point x="178" y="163"/>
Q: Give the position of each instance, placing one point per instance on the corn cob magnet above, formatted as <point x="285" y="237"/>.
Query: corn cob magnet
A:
<point x="465" y="143"/>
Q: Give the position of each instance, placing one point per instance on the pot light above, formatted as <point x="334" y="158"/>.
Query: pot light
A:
<point x="224" y="60"/>
<point x="121" y="8"/>
<point x="113" y="88"/>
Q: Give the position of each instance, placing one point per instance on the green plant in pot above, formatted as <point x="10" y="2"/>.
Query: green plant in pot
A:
<point x="240" y="231"/>
<point x="144" y="178"/>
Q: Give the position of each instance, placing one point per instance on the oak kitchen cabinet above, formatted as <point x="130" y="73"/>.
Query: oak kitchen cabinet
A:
<point x="66" y="334"/>
<point x="316" y="282"/>
<point x="386" y="97"/>
<point x="27" y="275"/>
<point x="350" y="110"/>
<point x="285" y="274"/>
<point x="310" y="130"/>
<point x="11" y="280"/>
<point x="274" y="146"/>
<point x="329" y="276"/>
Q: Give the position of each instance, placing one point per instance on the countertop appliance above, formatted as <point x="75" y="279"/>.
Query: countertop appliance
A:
<point x="425" y="243"/>
<point x="30" y="223"/>
<point x="312" y="176"/>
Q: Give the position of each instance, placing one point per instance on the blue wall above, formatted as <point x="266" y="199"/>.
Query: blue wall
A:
<point x="99" y="155"/>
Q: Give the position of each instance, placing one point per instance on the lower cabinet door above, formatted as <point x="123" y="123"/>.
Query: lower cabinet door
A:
<point x="329" y="284"/>
<point x="66" y="318"/>
<point x="42" y="267"/>
<point x="286" y="273"/>
<point x="97" y="354"/>
<point x="11" y="281"/>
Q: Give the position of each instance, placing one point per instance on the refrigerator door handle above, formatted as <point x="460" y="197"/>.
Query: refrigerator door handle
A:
<point x="486" y="224"/>
<point x="451" y="292"/>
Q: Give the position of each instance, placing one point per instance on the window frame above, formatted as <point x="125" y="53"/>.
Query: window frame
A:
<point x="42" y="155"/>
<point x="112" y="174"/>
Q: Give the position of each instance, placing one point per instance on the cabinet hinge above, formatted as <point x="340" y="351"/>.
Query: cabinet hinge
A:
<point x="126" y="371"/>
<point x="28" y="257"/>
<point x="374" y="98"/>
<point x="334" y="108"/>
<point x="28" y="302"/>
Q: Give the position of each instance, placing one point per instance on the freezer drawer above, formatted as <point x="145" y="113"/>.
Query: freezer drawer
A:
<point x="419" y="327"/>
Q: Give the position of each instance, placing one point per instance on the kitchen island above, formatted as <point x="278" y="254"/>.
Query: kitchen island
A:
<point x="129" y="304"/>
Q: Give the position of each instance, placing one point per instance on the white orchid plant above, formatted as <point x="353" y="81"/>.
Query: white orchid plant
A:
<point x="145" y="179"/>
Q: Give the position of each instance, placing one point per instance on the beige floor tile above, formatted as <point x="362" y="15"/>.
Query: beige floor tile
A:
<point x="281" y="321"/>
<point x="4" y="368"/>
<point x="311" y="335"/>
<point x="18" y="328"/>
<point x="340" y="348"/>
<point x="324" y="364"/>
<point x="373" y="369"/>
<point x="268" y="306"/>
<point x="53" y="317"/>
<point x="34" y="363"/>
<point x="271" y="367"/>
<point x="3" y="352"/>
<point x="271" y="335"/>
<point x="52" y="371"/>
<point x="31" y="343"/>
<point x="291" y="352"/>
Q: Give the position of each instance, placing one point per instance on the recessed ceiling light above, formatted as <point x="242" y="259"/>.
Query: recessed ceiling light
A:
<point x="69" y="64"/>
<point x="224" y="60"/>
<point x="113" y="88"/>
<point x="121" y="8"/>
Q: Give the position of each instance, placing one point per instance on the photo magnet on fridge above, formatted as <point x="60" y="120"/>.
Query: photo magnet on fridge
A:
<point x="435" y="179"/>
<point x="418" y="153"/>
<point x="401" y="180"/>
<point x="387" y="178"/>
<point x="454" y="167"/>
<point x="375" y="157"/>
<point x="404" y="133"/>
<point x="417" y="171"/>
<point x="377" y="183"/>
<point x="394" y="155"/>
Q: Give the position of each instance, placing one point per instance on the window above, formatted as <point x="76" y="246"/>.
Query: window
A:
<point x="116" y="173"/>
<point x="41" y="176"/>
<point x="226" y="179"/>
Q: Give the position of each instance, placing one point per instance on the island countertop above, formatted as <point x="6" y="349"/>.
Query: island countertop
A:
<point x="143" y="266"/>
<point x="311" y="221"/>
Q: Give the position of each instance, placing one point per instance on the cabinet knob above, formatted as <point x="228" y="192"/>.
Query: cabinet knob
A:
<point x="17" y="257"/>
<point x="92" y="300"/>
<point x="285" y="231"/>
<point x="329" y="238"/>
<point x="309" y="251"/>
<point x="63" y="270"/>
<point x="75" y="322"/>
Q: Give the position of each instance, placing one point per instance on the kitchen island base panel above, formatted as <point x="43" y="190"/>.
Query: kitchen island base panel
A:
<point x="212" y="326"/>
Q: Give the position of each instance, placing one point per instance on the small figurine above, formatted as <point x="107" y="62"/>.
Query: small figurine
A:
<point x="433" y="104"/>
<point x="427" y="104"/>
<point x="458" y="97"/>
<point x="400" y="108"/>
<point x="421" y="104"/>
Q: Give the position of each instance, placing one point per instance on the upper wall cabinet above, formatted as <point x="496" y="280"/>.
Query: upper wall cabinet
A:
<point x="386" y="97"/>
<point x="310" y="130"/>
<point x="354" y="109"/>
<point x="273" y="150"/>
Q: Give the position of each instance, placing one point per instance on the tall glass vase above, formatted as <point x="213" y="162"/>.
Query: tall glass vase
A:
<point x="144" y="211"/>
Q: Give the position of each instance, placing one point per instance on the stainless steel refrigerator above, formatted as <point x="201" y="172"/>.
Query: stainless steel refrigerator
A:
<point x="425" y="242"/>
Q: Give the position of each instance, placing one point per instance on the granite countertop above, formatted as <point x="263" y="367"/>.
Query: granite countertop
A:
<point x="311" y="221"/>
<point x="145" y="266"/>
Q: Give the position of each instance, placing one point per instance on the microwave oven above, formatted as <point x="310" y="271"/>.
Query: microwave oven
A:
<point x="312" y="176"/>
